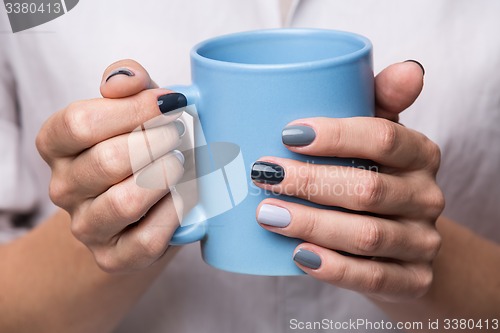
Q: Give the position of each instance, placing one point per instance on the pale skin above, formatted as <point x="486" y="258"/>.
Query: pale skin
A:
<point x="402" y="194"/>
<point x="93" y="264"/>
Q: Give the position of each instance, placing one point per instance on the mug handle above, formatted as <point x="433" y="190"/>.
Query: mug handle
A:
<point x="194" y="232"/>
<point x="188" y="234"/>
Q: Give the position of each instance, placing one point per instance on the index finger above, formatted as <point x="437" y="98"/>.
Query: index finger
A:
<point x="376" y="139"/>
<point x="84" y="124"/>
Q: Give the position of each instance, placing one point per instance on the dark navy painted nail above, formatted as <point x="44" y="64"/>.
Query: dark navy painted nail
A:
<point x="421" y="66"/>
<point x="307" y="258"/>
<point x="298" y="135"/>
<point x="267" y="173"/>
<point x="171" y="102"/>
<point x="120" y="71"/>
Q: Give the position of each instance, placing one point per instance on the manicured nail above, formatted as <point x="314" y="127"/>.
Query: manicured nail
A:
<point x="307" y="258"/>
<point x="181" y="128"/>
<point x="421" y="66"/>
<point x="298" y="135"/>
<point x="267" y="173"/>
<point x="274" y="216"/>
<point x="120" y="71"/>
<point x="171" y="102"/>
<point x="179" y="155"/>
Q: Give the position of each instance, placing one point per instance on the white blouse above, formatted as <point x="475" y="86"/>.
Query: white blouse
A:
<point x="47" y="67"/>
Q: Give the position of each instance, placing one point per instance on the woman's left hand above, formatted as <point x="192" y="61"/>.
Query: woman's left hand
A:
<point x="393" y="245"/>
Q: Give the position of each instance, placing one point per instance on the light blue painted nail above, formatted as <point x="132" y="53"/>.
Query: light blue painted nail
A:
<point x="274" y="216"/>
<point x="179" y="155"/>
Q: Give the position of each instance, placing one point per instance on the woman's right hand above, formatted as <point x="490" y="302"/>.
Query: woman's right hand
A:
<point x="89" y="146"/>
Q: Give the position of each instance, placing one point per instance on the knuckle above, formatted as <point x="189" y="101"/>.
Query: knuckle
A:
<point x="435" y="201"/>
<point x="370" y="190"/>
<point x="41" y="143"/>
<point x="434" y="153"/>
<point x="337" y="136"/>
<point x="59" y="189"/>
<point x="387" y="137"/>
<point x="339" y="274"/>
<point x="77" y="121"/>
<point x="376" y="280"/>
<point x="309" y="185"/>
<point x="125" y="205"/>
<point x="81" y="229"/>
<point x="108" y="160"/>
<point x="152" y="245"/>
<point x="309" y="229"/>
<point x="424" y="278"/>
<point x="370" y="239"/>
<point x="142" y="103"/>
<point x="107" y="262"/>
<point x="439" y="201"/>
<point x="433" y="244"/>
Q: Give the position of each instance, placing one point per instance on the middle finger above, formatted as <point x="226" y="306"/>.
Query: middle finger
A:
<point x="347" y="187"/>
<point x="113" y="160"/>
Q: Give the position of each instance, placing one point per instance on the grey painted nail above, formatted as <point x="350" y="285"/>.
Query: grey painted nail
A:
<point x="307" y="258"/>
<point x="274" y="216"/>
<point x="298" y="135"/>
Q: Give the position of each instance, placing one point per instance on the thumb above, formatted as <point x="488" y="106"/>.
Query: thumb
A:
<point x="397" y="87"/>
<point x="125" y="78"/>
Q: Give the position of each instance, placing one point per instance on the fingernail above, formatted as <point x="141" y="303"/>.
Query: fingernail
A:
<point x="274" y="216"/>
<point x="171" y="102"/>
<point x="267" y="173"/>
<point x="179" y="155"/>
<point x="181" y="128"/>
<point x="421" y="66"/>
<point x="298" y="135"/>
<point x="120" y="71"/>
<point x="307" y="258"/>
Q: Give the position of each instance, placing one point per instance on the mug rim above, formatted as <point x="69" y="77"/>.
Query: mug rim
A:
<point x="312" y="64"/>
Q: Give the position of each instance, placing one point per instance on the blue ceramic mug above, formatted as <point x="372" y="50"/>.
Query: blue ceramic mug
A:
<point x="246" y="88"/>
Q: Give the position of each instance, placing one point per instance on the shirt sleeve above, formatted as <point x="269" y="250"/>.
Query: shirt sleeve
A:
<point x="17" y="189"/>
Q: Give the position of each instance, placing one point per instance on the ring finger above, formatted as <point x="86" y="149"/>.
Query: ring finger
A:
<point x="353" y="233"/>
<point x="102" y="218"/>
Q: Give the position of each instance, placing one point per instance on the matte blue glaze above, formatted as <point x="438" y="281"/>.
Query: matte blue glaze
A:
<point x="247" y="87"/>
